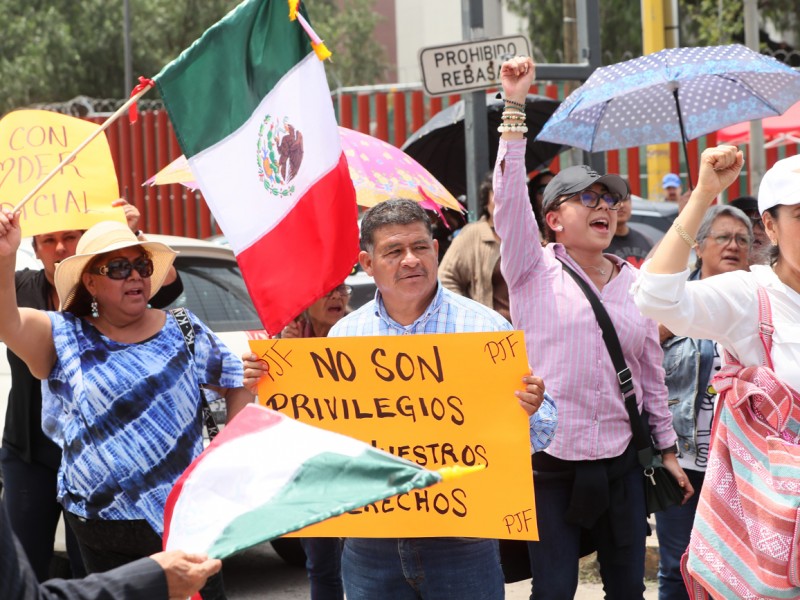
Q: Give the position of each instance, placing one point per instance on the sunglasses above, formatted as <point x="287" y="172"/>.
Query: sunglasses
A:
<point x="121" y="268"/>
<point x="591" y="199"/>
<point x="342" y="290"/>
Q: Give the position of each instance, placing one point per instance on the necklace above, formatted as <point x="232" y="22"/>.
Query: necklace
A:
<point x="600" y="270"/>
<point x="603" y="272"/>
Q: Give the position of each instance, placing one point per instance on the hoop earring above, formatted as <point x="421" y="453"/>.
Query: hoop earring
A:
<point x="95" y="312"/>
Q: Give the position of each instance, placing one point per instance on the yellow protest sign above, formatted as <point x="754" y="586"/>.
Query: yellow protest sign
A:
<point x="437" y="400"/>
<point x="32" y="144"/>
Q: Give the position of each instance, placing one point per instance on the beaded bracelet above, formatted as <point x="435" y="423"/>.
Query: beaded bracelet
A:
<point x="514" y="103"/>
<point x="513" y="127"/>
<point x="690" y="241"/>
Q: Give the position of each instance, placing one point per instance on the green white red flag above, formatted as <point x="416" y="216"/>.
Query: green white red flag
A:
<point x="266" y="475"/>
<point x="253" y="114"/>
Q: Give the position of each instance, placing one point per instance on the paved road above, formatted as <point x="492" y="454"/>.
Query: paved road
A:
<point x="259" y="573"/>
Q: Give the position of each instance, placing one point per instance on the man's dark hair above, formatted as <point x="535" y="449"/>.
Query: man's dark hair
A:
<point x="484" y="189"/>
<point x="533" y="185"/>
<point x="397" y="211"/>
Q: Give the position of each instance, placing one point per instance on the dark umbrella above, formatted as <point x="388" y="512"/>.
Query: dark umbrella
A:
<point x="439" y="145"/>
<point x="673" y="95"/>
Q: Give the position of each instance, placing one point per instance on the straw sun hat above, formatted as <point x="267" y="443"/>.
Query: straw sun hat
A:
<point x="104" y="237"/>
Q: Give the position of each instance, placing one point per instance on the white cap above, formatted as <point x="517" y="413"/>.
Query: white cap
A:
<point x="780" y="185"/>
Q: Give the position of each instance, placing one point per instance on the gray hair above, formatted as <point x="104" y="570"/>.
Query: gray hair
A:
<point x="719" y="210"/>
<point x="397" y="211"/>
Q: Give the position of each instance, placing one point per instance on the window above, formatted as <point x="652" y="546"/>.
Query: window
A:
<point x="214" y="290"/>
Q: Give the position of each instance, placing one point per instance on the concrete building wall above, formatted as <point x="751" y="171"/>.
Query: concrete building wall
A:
<point x="386" y="34"/>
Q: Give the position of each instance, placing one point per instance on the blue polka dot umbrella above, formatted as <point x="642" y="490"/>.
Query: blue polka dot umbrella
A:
<point x="674" y="95"/>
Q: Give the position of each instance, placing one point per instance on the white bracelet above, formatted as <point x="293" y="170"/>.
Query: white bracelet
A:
<point x="513" y="127"/>
<point x="690" y="241"/>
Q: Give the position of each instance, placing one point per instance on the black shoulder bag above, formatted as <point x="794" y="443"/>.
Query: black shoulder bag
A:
<point x="661" y="489"/>
<point x="207" y="417"/>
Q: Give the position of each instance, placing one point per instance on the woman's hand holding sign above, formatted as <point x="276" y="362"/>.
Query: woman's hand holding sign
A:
<point x="254" y="370"/>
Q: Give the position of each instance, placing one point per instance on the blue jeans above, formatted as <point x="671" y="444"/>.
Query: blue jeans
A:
<point x="674" y="528"/>
<point x="29" y="493"/>
<point x="324" y="566"/>
<point x="422" y="568"/>
<point x="555" y="557"/>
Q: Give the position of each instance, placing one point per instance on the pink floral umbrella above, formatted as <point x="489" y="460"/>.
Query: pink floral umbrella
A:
<point x="379" y="171"/>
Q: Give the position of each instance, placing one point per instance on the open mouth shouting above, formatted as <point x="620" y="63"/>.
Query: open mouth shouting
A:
<point x="600" y="224"/>
<point x="335" y="308"/>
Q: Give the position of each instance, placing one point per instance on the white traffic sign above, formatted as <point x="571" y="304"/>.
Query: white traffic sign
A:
<point x="468" y="66"/>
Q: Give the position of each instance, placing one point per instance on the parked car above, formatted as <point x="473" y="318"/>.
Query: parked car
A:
<point x="652" y="217"/>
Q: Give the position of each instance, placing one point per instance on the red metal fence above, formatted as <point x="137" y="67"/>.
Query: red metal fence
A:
<point x="142" y="149"/>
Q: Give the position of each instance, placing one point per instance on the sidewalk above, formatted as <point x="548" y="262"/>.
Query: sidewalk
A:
<point x="586" y="591"/>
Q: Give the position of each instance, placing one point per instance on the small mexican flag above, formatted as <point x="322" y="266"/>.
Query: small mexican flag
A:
<point x="266" y="475"/>
<point x="253" y="114"/>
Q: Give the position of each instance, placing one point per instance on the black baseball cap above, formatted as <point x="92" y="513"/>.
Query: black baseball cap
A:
<point x="745" y="204"/>
<point x="578" y="178"/>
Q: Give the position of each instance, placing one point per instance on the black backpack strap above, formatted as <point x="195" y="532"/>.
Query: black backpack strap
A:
<point x="641" y="439"/>
<point x="181" y="317"/>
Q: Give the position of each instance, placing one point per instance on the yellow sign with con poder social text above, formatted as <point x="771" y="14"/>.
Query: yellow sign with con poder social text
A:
<point x="436" y="400"/>
<point x="32" y="144"/>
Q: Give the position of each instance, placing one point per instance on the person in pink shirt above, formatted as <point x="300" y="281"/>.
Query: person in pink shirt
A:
<point x="588" y="483"/>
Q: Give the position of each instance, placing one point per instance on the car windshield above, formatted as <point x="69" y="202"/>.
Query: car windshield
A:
<point x="214" y="291"/>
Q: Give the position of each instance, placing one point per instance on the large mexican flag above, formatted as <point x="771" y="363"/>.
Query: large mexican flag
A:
<point x="253" y="114"/>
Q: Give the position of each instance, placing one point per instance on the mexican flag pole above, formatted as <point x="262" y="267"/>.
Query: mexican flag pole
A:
<point x="140" y="91"/>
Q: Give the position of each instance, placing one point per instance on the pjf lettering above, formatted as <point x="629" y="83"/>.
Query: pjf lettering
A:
<point x="277" y="361"/>
<point x="518" y="522"/>
<point x="501" y="350"/>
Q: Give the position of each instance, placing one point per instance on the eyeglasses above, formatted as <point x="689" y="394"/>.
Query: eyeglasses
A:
<point x="121" y="268"/>
<point x="342" y="290"/>
<point x="724" y="239"/>
<point x="591" y="199"/>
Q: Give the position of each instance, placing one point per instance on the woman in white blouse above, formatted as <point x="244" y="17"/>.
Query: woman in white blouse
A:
<point x="725" y="307"/>
<point x="742" y="534"/>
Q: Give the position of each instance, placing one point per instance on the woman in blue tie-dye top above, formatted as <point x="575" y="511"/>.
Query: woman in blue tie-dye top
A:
<point x="121" y="389"/>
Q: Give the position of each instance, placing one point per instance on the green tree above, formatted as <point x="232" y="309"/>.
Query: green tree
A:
<point x="54" y="50"/>
<point x="702" y="23"/>
<point x="620" y="28"/>
<point x="347" y="28"/>
<point x="711" y="22"/>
